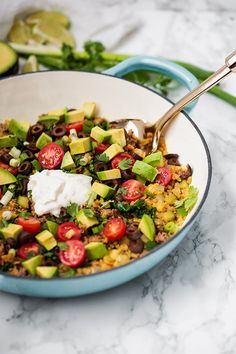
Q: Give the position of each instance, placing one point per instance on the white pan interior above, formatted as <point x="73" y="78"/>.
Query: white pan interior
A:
<point x="25" y="97"/>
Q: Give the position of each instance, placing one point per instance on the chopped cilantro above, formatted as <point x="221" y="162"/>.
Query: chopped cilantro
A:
<point x="103" y="158"/>
<point x="30" y="254"/>
<point x="24" y="214"/>
<point x="150" y="245"/>
<point x="122" y="191"/>
<point x="3" y="223"/>
<point x="138" y="208"/>
<point x="72" y="209"/>
<point x="97" y="229"/>
<point x="63" y="246"/>
<point x="104" y="125"/>
<point x="87" y="126"/>
<point x="125" y="164"/>
<point x="88" y="213"/>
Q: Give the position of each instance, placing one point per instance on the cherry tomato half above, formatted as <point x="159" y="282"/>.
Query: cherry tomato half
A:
<point x="28" y="248"/>
<point x="124" y="155"/>
<point x="164" y="176"/>
<point x="68" y="231"/>
<point x="134" y="188"/>
<point x="77" y="126"/>
<point x="8" y="168"/>
<point x="101" y="148"/>
<point x="74" y="255"/>
<point x="30" y="225"/>
<point x="50" y="156"/>
<point x="114" y="229"/>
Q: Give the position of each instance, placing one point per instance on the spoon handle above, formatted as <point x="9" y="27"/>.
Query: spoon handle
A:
<point x="230" y="66"/>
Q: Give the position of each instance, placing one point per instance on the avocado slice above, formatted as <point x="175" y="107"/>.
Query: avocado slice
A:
<point x="43" y="140"/>
<point x="89" y="109"/>
<point x="8" y="141"/>
<point x="6" y="177"/>
<point x="147" y="227"/>
<point x="95" y="250"/>
<point x="155" y="159"/>
<point x="46" y="239"/>
<point x="117" y="136"/>
<point x="11" y="230"/>
<point x="8" y="60"/>
<point x="48" y="120"/>
<point x="144" y="170"/>
<point x="46" y="272"/>
<point x="80" y="146"/>
<point x="58" y="112"/>
<point x="113" y="150"/>
<point x="109" y="174"/>
<point x="23" y="201"/>
<point x="99" y="134"/>
<point x="103" y="190"/>
<point x="19" y="128"/>
<point x="85" y="220"/>
<point x="52" y="226"/>
<point x="74" y="116"/>
<point x="32" y="263"/>
<point x="67" y="161"/>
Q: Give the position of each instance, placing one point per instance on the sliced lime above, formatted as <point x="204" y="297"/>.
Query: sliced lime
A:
<point x="19" y="33"/>
<point x="31" y="65"/>
<point x="54" y="16"/>
<point x="53" y="32"/>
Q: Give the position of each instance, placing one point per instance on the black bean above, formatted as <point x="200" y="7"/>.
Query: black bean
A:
<point x="136" y="246"/>
<point x="127" y="174"/>
<point x="25" y="237"/>
<point x="136" y="156"/>
<point x="36" y="129"/>
<point x="100" y="166"/>
<point x="5" y="158"/>
<point x="187" y="174"/>
<point x="59" y="131"/>
<point x="32" y="147"/>
<point x="81" y="135"/>
<point x="132" y="231"/>
<point x="11" y="242"/>
<point x="172" y="159"/>
<point x="112" y="183"/>
<point x="25" y="168"/>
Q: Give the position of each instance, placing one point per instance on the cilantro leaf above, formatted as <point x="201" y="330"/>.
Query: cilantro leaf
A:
<point x="63" y="246"/>
<point x="72" y="209"/>
<point x="122" y="191"/>
<point x="88" y="213"/>
<point x="87" y="126"/>
<point x="25" y="215"/>
<point x="103" y="158"/>
<point x="125" y="164"/>
<point x="150" y="245"/>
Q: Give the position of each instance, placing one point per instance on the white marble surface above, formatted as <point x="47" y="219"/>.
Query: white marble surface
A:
<point x="186" y="305"/>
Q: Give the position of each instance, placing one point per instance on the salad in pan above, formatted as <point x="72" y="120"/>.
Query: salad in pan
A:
<point x="79" y="196"/>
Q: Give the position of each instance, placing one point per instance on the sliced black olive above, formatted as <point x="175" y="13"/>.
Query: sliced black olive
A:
<point x="81" y="135"/>
<point x="132" y="231"/>
<point x="58" y="132"/>
<point x="136" y="156"/>
<point x="30" y="154"/>
<point x="112" y="183"/>
<point x="32" y="147"/>
<point x="36" y="129"/>
<point x="136" y="246"/>
<point x="187" y="174"/>
<point x="25" y="168"/>
<point x="127" y="174"/>
<point x="25" y="237"/>
<point x="5" y="158"/>
<point x="172" y="159"/>
<point x="100" y="166"/>
<point x="24" y="184"/>
<point x="10" y="243"/>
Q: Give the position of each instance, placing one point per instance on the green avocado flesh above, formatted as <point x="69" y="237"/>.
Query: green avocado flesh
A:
<point x="8" y="60"/>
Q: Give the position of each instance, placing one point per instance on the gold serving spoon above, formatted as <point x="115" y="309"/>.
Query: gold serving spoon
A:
<point x="139" y="127"/>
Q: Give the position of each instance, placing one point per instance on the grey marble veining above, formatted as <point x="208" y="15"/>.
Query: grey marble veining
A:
<point x="186" y="304"/>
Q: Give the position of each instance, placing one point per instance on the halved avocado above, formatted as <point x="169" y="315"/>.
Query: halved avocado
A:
<point x="8" y="60"/>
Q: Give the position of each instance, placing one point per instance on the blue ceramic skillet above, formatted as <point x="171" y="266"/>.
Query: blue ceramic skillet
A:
<point x="26" y="96"/>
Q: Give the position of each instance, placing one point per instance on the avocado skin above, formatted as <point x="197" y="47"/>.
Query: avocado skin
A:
<point x="11" y="71"/>
<point x="11" y="62"/>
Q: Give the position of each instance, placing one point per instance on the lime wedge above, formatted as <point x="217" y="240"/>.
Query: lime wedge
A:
<point x="54" y="16"/>
<point x="31" y="65"/>
<point x="21" y="33"/>
<point x="53" y="32"/>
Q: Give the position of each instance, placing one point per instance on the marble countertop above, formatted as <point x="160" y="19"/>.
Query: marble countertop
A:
<point x="187" y="304"/>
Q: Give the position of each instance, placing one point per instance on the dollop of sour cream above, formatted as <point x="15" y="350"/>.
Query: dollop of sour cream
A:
<point x="53" y="189"/>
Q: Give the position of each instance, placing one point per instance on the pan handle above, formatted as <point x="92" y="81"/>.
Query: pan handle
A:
<point x="160" y="65"/>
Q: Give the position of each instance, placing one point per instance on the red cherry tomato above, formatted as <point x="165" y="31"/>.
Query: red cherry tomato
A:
<point x="134" y="188"/>
<point x="32" y="248"/>
<point x="74" y="255"/>
<point x="77" y="126"/>
<point x="101" y="148"/>
<point x="8" y="168"/>
<point x="164" y="176"/>
<point x="68" y="231"/>
<point x="30" y="225"/>
<point x="50" y="156"/>
<point x="124" y="155"/>
<point x="114" y="229"/>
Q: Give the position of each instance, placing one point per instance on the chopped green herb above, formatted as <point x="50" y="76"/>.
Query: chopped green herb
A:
<point x="125" y="164"/>
<point x="104" y="125"/>
<point x="103" y="158"/>
<point x="63" y="246"/>
<point x="122" y="191"/>
<point x="24" y="214"/>
<point x="30" y="254"/>
<point x="97" y="229"/>
<point x="181" y="211"/>
<point x="88" y="213"/>
<point x="3" y="223"/>
<point x="87" y="126"/>
<point x="72" y="209"/>
<point x="36" y="165"/>
<point x="150" y="245"/>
